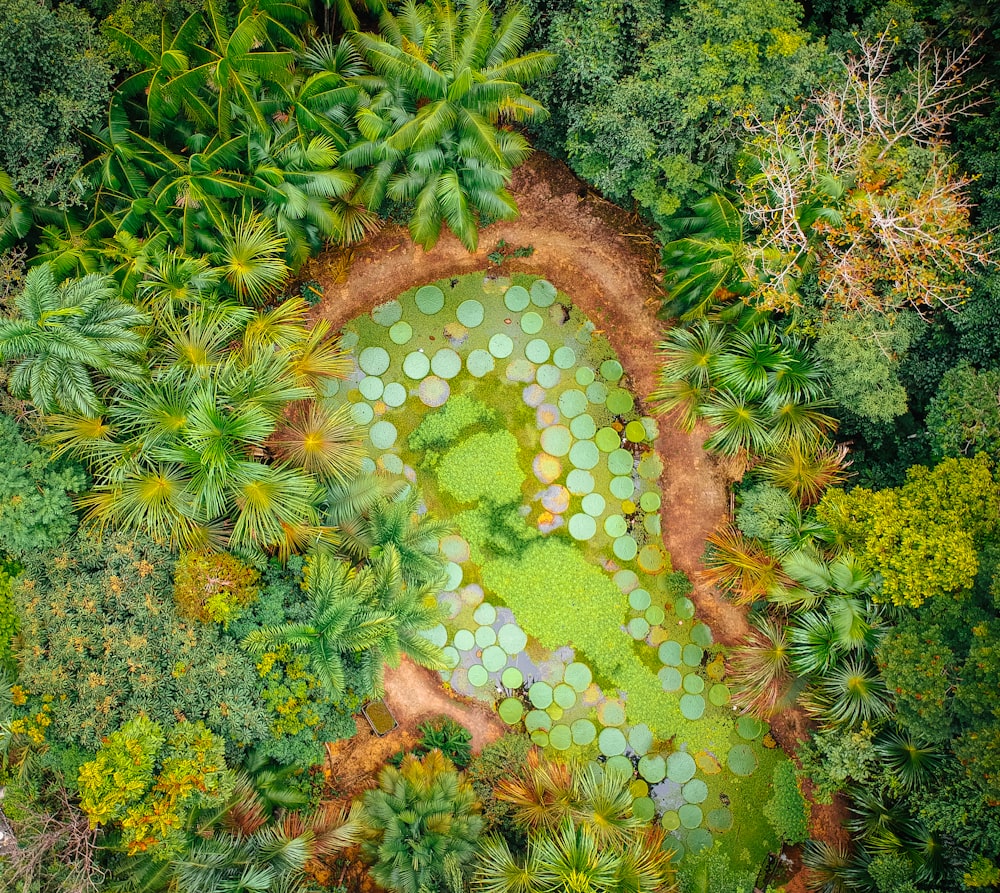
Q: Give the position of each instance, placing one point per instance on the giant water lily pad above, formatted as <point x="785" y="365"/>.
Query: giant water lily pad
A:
<point x="537" y="719"/>
<point x="690" y="815"/>
<point x="619" y="765"/>
<point x="429" y="299"/>
<point x="580" y="481"/>
<point x="611" y="370"/>
<point x="572" y="402"/>
<point x="486" y="636"/>
<point x="640" y="738"/>
<point x="382" y="435"/>
<point x="694" y="684"/>
<point x="388" y="313"/>
<point x="741" y="760"/>
<point x="511" y="710"/>
<point x="670" y="678"/>
<point x="556" y="440"/>
<point x="501" y="346"/>
<point x="655" y="615"/>
<point x="394" y="394"/>
<point x="371" y="387"/>
<point x="584" y="454"/>
<point x="561" y="737"/>
<point x="643" y="809"/>
<point x="465" y="640"/>
<point x="564" y="357"/>
<point x="698" y="839"/>
<point x="680" y="767"/>
<point x="540" y="694"/>
<point x="517" y="298"/>
<point x="543" y="293"/>
<point x="593" y="504"/>
<point x="547" y="376"/>
<point x="512" y="638"/>
<point x="611" y="713"/>
<point x="531" y="323"/>
<point x="692" y="706"/>
<point x="583" y="732"/>
<point x="480" y="362"/>
<point x="446" y="363"/>
<point x="582" y="526"/>
<point x="608" y="440"/>
<point x="695" y="791"/>
<point x="692" y="655"/>
<point x="622" y="487"/>
<point x="670" y="653"/>
<point x="720" y="819"/>
<point x="416" y="365"/>
<point x="638" y="599"/>
<point x="583" y="427"/>
<point x="578" y="676"/>
<point x="611" y="741"/>
<point x="470" y="313"/>
<point x="478" y="676"/>
<point x="564" y="695"/>
<point x="374" y="360"/>
<point x="718" y="694"/>
<point x="512" y="678"/>
<point x="701" y="635"/>
<point x="401" y="332"/>
<point x="653" y="768"/>
<point x="494" y="657"/>
<point x="750" y="727"/>
<point x="625" y="548"/>
<point x="537" y="350"/>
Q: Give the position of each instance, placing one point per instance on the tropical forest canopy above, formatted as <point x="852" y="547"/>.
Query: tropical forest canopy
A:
<point x="203" y="577"/>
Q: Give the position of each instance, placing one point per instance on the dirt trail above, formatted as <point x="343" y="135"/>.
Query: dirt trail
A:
<point x="604" y="260"/>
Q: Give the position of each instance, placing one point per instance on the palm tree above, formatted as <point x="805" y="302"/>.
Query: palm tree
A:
<point x="322" y="442"/>
<point x="760" y="668"/>
<point x="913" y="762"/>
<point x="251" y="257"/>
<point x="446" y="82"/>
<point x="805" y="469"/>
<point x="65" y="334"/>
<point x="690" y="357"/>
<point x="420" y="826"/>
<point x="740" y="565"/>
<point x="850" y="693"/>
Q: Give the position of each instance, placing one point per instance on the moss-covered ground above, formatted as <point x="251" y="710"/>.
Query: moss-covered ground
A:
<point x="515" y="418"/>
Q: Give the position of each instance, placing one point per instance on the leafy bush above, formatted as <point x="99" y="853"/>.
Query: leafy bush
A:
<point x="36" y="511"/>
<point x="763" y="510"/>
<point x="964" y="415"/>
<point x="787" y="811"/>
<point x="9" y="623"/>
<point x="444" y="426"/>
<point x="712" y="871"/>
<point x="501" y="759"/>
<point x="484" y="466"/>
<point x="446" y="735"/>
<point x="213" y="586"/>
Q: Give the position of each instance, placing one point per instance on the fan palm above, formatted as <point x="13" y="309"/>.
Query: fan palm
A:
<point x="250" y="257"/>
<point x="322" y="442"/>
<point x="420" y="826"/>
<point x="805" y="469"/>
<point x="690" y="356"/>
<point x="760" y="667"/>
<point x="740" y="565"/>
<point x="447" y="78"/>
<point x="851" y="692"/>
<point x="914" y="763"/>
<point x="65" y="336"/>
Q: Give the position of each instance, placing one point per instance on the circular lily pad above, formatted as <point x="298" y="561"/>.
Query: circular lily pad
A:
<point x="485" y="614"/>
<point x="584" y="454"/>
<point x="578" y="675"/>
<point x="537" y="350"/>
<point x="520" y="369"/>
<point x="478" y="675"/>
<point x="540" y="694"/>
<point x="394" y="394"/>
<point x="651" y="524"/>
<point x="429" y="299"/>
<point x="582" y="526"/>
<point x="684" y="608"/>
<point x="670" y="678"/>
<point x="583" y="732"/>
<point x="511" y="710"/>
<point x="540" y="737"/>
<point x="674" y="847"/>
<point x="547" y="375"/>
<point x="388" y="313"/>
<point x="625" y="548"/>
<point x="701" y="635"/>
<point x="615" y="526"/>
<point x="416" y="365"/>
<point x="512" y="638"/>
<point x="741" y="760"/>
<point x="650" y="467"/>
<point x="501" y="346"/>
<point x="470" y="313"/>
<point x="374" y="360"/>
<point x="583" y="427"/>
<point x="611" y="713"/>
<point x="626" y="580"/>
<point x="638" y="599"/>
<point x="547" y="468"/>
<point x="670" y="653"/>
<point x="556" y="440"/>
<point x="494" y="657"/>
<point x="433" y="391"/>
<point x="643" y="809"/>
<point x="597" y="393"/>
<point x="401" y="332"/>
<point x="391" y="462"/>
<point x="719" y="695"/>
<point x="692" y="706"/>
<point x="640" y="738"/>
<point x="635" y="432"/>
<point x="564" y="357"/>
<point x="486" y="636"/>
<point x="694" y="684"/>
<point x="720" y="819"/>
<point x="651" y="558"/>
<point x="480" y="362"/>
<point x="564" y="696"/>
<point x="680" y="767"/>
<point x="593" y="504"/>
<point x="608" y="440"/>
<point x="620" y="765"/>
<point x="517" y="298"/>
<point x="531" y="323"/>
<point x="638" y="628"/>
<point x="611" y="741"/>
<point x="698" y="839"/>
<point x="650" y="501"/>
<point x="695" y="791"/>
<point x="371" y="387"/>
<point x="655" y="615"/>
<point x="438" y="635"/>
<point x="584" y="376"/>
<point x="451" y="657"/>
<point x="690" y="815"/>
<point x="670" y="821"/>
<point x="653" y="768"/>
<point x="579" y="482"/>
<point x="749" y="727"/>
<point x="572" y="402"/>
<point x="382" y="435"/>
<point x="561" y="737"/>
<point x="446" y="363"/>
<point x="543" y="293"/>
<point x="619" y="402"/>
<point x="512" y="678"/>
<point x="611" y="370"/>
<point x="622" y="487"/>
<point x="620" y="462"/>
<point x="692" y="655"/>
<point x="537" y="719"/>
<point x="465" y="640"/>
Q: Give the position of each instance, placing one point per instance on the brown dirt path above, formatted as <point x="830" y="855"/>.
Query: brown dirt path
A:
<point x="604" y="259"/>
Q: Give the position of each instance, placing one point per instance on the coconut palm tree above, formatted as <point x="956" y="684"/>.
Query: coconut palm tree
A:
<point x="69" y="339"/>
<point x="447" y="80"/>
<point x="420" y="826"/>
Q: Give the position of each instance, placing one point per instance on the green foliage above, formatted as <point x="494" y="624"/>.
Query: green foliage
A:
<point x="55" y="84"/>
<point x="9" y="621"/>
<point x="213" y="586"/>
<point x="922" y="537"/>
<point x="441" y="428"/>
<point x="420" y="826"/>
<point x="500" y="759"/>
<point x="861" y="354"/>
<point x="148" y="783"/>
<point x="982" y="873"/>
<point x="453" y="740"/>
<point x="36" y="511"/>
<point x="492" y="529"/>
<point x="787" y="811"/>
<point x="103" y="644"/>
<point x="712" y="871"/>
<point x="833" y="758"/>
<point x="964" y="416"/>
<point x="763" y="511"/>
<point x="483" y="466"/>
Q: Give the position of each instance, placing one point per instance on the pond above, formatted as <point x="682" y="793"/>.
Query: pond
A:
<point x="515" y="418"/>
